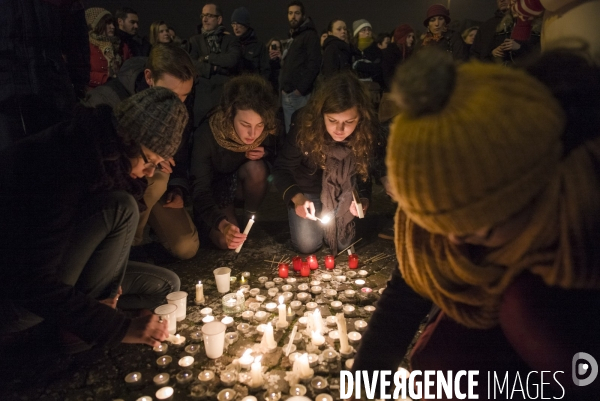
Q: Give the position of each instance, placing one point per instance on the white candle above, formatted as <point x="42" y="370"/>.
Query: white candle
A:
<point x="256" y="373"/>
<point x="343" y="332"/>
<point x="199" y="293"/>
<point x="246" y="359"/>
<point x="289" y="346"/>
<point x="268" y="341"/>
<point x="161" y="379"/>
<point x="164" y="393"/>
<point x="302" y="367"/>
<point x="317" y="339"/>
<point x="246" y="231"/>
<point x="282" y="322"/>
<point x="186" y="361"/>
<point x="241" y="299"/>
<point x="318" y="321"/>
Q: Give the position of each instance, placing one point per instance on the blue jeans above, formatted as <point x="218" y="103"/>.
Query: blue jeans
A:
<point x="290" y="102"/>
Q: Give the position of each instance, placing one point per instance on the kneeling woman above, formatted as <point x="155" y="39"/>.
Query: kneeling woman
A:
<point x="229" y="158"/>
<point x="326" y="156"/>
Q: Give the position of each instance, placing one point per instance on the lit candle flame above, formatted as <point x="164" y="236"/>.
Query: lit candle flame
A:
<point x="280" y="299"/>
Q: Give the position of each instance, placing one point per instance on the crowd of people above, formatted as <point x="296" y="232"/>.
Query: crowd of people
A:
<point x="490" y="151"/>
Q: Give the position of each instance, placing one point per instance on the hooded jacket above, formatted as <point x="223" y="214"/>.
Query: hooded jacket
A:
<point x="337" y="56"/>
<point x="302" y="61"/>
<point x="484" y="40"/>
<point x="255" y="58"/>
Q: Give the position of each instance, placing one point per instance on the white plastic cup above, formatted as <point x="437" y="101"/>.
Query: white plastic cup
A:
<point x="222" y="277"/>
<point x="214" y="339"/>
<point x="179" y="298"/>
<point x="168" y="312"/>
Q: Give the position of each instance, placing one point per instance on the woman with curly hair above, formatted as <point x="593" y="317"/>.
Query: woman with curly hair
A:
<point x="229" y="158"/>
<point x="159" y="33"/>
<point x="327" y="154"/>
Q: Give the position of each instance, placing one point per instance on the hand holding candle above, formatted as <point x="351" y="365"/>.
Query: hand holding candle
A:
<point x="246" y="231"/>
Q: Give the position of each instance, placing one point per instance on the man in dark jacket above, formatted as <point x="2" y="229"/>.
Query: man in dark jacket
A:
<point x="127" y="19"/>
<point x="169" y="67"/>
<point x="255" y="58"/>
<point x="215" y="54"/>
<point x="483" y="45"/>
<point x="301" y="62"/>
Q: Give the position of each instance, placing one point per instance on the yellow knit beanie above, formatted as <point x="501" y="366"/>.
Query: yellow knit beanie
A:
<point x="474" y="145"/>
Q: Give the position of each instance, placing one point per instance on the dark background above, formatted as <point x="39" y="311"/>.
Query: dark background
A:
<point x="269" y="17"/>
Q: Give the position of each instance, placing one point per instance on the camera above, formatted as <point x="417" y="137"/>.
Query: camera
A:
<point x="273" y="46"/>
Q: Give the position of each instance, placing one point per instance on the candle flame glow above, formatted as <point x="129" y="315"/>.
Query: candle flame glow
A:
<point x="325" y="219"/>
<point x="247" y="352"/>
<point x="280" y="299"/>
<point x="199" y="282"/>
<point x="252" y="217"/>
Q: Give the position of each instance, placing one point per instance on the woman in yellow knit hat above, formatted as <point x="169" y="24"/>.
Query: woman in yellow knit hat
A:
<point x="497" y="181"/>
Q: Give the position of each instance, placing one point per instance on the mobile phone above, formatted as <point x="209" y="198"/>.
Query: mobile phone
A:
<point x="273" y="46"/>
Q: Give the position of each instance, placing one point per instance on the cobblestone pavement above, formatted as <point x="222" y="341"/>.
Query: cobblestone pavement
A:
<point x="37" y="373"/>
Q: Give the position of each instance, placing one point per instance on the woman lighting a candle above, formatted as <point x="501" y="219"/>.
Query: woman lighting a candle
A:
<point x="327" y="153"/>
<point x="229" y="159"/>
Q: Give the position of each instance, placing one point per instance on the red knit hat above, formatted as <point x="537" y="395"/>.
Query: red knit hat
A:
<point x="401" y="32"/>
<point x="434" y="11"/>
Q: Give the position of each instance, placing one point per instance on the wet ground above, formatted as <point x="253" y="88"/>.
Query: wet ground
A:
<point x="98" y="374"/>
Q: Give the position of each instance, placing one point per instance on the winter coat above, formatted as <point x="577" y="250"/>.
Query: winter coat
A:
<point x="453" y="43"/>
<point x="255" y="57"/>
<point x="138" y="46"/>
<point x="483" y="45"/>
<point x="391" y="58"/>
<point x="99" y="73"/>
<point x="44" y="65"/>
<point x="368" y="64"/>
<point x="302" y="60"/>
<point x="337" y="56"/>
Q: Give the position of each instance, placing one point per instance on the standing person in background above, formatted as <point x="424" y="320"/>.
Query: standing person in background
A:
<point x="45" y="65"/>
<point x="301" y="62"/>
<point x="216" y="56"/>
<point x="107" y="52"/>
<point x="159" y="33"/>
<point x="367" y="62"/>
<point x="127" y="31"/>
<point x="255" y="58"/>
<point x="484" y="42"/>
<point x="438" y="35"/>
<point x="274" y="48"/>
<point x="469" y="34"/>
<point x="396" y="53"/>
<point x="337" y="55"/>
<point x="383" y="40"/>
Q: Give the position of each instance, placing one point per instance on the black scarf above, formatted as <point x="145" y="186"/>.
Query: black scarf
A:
<point x="213" y="38"/>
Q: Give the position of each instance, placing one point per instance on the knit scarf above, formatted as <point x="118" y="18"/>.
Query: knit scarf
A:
<point x="336" y="194"/>
<point x="363" y="43"/>
<point x="559" y="244"/>
<point x="109" y="46"/>
<point x="430" y="38"/>
<point x="225" y="135"/>
<point x="213" y="38"/>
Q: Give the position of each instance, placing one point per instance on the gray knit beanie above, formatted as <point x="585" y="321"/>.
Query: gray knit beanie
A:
<point x="360" y="24"/>
<point x="155" y="118"/>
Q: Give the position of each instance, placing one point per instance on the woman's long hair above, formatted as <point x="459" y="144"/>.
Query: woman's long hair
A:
<point x="154" y="31"/>
<point x="337" y="94"/>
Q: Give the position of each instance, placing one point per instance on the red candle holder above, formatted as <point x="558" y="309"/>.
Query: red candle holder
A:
<point x="297" y="263"/>
<point x="313" y="263"/>
<point x="305" y="269"/>
<point x="353" y="261"/>
<point x="329" y="262"/>
<point x="284" y="270"/>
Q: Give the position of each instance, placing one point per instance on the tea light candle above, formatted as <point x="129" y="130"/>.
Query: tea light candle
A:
<point x="270" y="307"/>
<point x="161" y="349"/>
<point x="363" y="273"/>
<point x="295" y="305"/>
<point x="176" y="339"/>
<point x="206" y="376"/>
<point x="329" y="355"/>
<point x="336" y="305"/>
<point x="315" y="283"/>
<point x="297" y="263"/>
<point x="228" y="378"/>
<point x="305" y="269"/>
<point x="286" y="287"/>
<point x="249" y="398"/>
<point x="206" y="311"/>
<point x="186" y="361"/>
<point x="261" y="315"/>
<point x="331" y="293"/>
<point x="246" y="359"/>
<point x="313" y="360"/>
<point x="278" y="281"/>
<point x="354" y="337"/>
<point x="323" y="397"/>
<point x="303" y="321"/>
<point x="192" y="349"/>
<point x="246" y="275"/>
<point x="144" y="398"/>
<point x="340" y="279"/>
<point x="231" y="337"/>
<point x="261" y="328"/>
<point x="336" y="272"/>
<point x="366" y="291"/>
<point x="369" y="309"/>
<point x="319" y="383"/>
<point x="164" y="361"/>
<point x="269" y="284"/>
<point x="349" y="293"/>
<point x="133" y="379"/>
<point x="311" y="306"/>
<point x="273" y="292"/>
<point x="359" y="283"/>
<point x="326" y="277"/>
<point x="291" y="280"/>
<point x="227" y="394"/>
<point x="349" y="310"/>
<point x="165" y="393"/>
<point x="247" y="315"/>
<point x="256" y="373"/>
<point x="312" y="262"/>
<point x="282" y="322"/>
<point x="199" y="293"/>
<point x="227" y="321"/>
<point x="351" y="274"/>
<point x="161" y="379"/>
<point x="263" y="279"/>
<point x="260" y="298"/>
<point x="253" y="306"/>
<point x="360" y="325"/>
<point x="334" y="335"/>
<point x="208" y="319"/>
<point x="245" y="289"/>
<point x="330" y="321"/>
<point x="353" y="261"/>
<point x="243" y="327"/>
<point x="287" y="296"/>
<point x="184" y="377"/>
<point x="316" y="289"/>
<point x="329" y="262"/>
<point x="254" y="292"/>
<point x="302" y="296"/>
<point x="196" y="336"/>
<point x="298" y="389"/>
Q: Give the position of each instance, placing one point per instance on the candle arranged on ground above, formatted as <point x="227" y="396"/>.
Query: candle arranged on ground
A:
<point x="302" y="367"/>
<point x="256" y="372"/>
<point x="206" y="376"/>
<point x="297" y="263"/>
<point x="186" y="361"/>
<point x="268" y="340"/>
<point x="329" y="262"/>
<point x="284" y="270"/>
<point x="161" y="349"/>
<point x="164" y="361"/>
<point x="317" y="338"/>
<point x="161" y="379"/>
<point x="343" y="332"/>
<point x="312" y="262"/>
<point x="246" y="359"/>
<point x="353" y="261"/>
<point x="133" y="378"/>
<point x="246" y="231"/>
<point x="164" y="393"/>
<point x="305" y="269"/>
<point x="282" y="322"/>
<point x="199" y="293"/>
